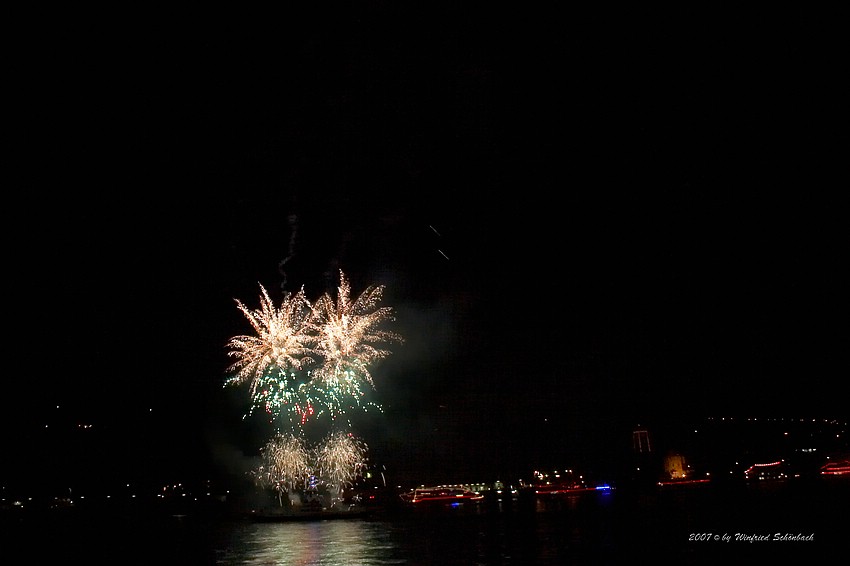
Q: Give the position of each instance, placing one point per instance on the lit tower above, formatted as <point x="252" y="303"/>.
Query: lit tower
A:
<point x="646" y="468"/>
<point x="640" y="442"/>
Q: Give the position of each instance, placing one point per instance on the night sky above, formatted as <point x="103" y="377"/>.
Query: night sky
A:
<point x="583" y="221"/>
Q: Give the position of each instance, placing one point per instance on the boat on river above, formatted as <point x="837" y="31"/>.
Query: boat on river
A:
<point x="441" y="495"/>
<point x="564" y="482"/>
<point x="309" y="513"/>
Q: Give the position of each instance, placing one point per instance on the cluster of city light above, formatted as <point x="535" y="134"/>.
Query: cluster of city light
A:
<point x="308" y="360"/>
<point x="304" y="361"/>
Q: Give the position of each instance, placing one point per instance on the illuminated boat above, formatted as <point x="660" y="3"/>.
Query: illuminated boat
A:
<point x="562" y="483"/>
<point x="840" y="468"/>
<point x="766" y="472"/>
<point x="281" y="514"/>
<point x="565" y="488"/>
<point x="452" y="495"/>
<point x="312" y="508"/>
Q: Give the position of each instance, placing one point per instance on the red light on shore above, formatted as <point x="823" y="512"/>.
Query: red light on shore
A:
<point x="683" y="482"/>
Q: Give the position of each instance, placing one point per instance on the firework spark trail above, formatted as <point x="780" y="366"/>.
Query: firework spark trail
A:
<point x="293" y="225"/>
<point x="282" y="396"/>
<point x="298" y="403"/>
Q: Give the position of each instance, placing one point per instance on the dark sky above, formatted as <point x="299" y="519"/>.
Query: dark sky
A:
<point x="583" y="221"/>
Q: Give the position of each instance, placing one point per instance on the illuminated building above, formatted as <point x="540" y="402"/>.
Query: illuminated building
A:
<point x="675" y="467"/>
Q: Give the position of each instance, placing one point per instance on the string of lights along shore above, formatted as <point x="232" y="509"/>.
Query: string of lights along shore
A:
<point x="307" y="365"/>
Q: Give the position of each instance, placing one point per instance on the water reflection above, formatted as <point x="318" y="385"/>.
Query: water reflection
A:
<point x="593" y="528"/>
<point x="547" y="532"/>
<point x="313" y="542"/>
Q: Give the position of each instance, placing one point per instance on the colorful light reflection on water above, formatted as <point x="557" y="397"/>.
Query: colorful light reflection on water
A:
<point x="312" y="542"/>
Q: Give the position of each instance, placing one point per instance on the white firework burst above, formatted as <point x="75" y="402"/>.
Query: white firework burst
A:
<point x="346" y="334"/>
<point x="280" y="344"/>
<point x="340" y="459"/>
<point x="287" y="464"/>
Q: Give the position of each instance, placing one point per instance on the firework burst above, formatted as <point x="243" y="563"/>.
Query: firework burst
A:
<point x="280" y="344"/>
<point x="345" y="334"/>
<point x="341" y="459"/>
<point x="340" y="336"/>
<point x="285" y="395"/>
<point x="287" y="464"/>
<point x="341" y="333"/>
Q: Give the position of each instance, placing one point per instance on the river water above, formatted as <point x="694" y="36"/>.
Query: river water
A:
<point x="695" y="525"/>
